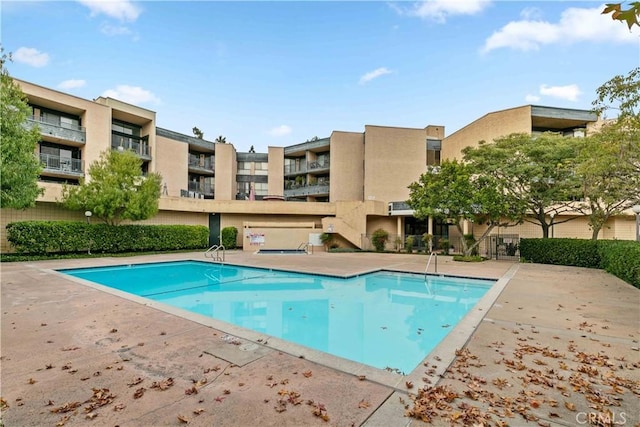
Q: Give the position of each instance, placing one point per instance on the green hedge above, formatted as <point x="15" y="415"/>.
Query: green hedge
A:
<point x="40" y="237"/>
<point x="229" y="237"/>
<point x="619" y="257"/>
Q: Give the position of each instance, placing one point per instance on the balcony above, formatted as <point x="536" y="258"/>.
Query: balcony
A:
<point x="319" y="189"/>
<point x="198" y="191"/>
<point x="206" y="165"/>
<point x="318" y="166"/>
<point x="138" y="146"/>
<point x="54" y="165"/>
<point x="59" y="132"/>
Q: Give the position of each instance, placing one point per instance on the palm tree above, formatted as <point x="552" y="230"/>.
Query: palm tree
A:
<point x="221" y="140"/>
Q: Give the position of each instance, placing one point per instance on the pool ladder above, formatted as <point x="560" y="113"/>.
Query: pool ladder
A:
<point x="308" y="248"/>
<point x="214" y="253"/>
<point x="432" y="255"/>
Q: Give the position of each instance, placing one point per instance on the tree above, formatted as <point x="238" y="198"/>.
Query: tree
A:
<point x="629" y="15"/>
<point x="535" y="169"/>
<point x="610" y="183"/>
<point x="19" y="167"/>
<point x="609" y="161"/>
<point x="198" y="133"/>
<point x="221" y="139"/>
<point x="455" y="192"/>
<point x="117" y="189"/>
<point x="621" y="94"/>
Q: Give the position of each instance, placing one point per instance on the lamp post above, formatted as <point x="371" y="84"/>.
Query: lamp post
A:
<point x="636" y="210"/>
<point x="552" y="215"/>
<point x="88" y="215"/>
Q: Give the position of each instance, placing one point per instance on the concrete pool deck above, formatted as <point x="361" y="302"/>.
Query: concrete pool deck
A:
<point x="558" y="346"/>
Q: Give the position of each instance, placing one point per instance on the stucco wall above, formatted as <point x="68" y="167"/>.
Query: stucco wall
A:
<point x="226" y="169"/>
<point x="487" y="128"/>
<point x="394" y="158"/>
<point x="275" y="186"/>
<point x="172" y="163"/>
<point x="346" y="180"/>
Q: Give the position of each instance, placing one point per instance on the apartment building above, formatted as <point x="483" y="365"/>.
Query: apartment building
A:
<point x="348" y="183"/>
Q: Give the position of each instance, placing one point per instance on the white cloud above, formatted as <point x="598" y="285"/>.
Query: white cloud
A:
<point x="575" y="25"/>
<point x="31" y="56"/>
<point x="532" y="98"/>
<point x="123" y="10"/>
<point x="568" y="92"/>
<point x="132" y="95"/>
<point x="529" y="13"/>
<point x="281" y="130"/>
<point x="71" y="84"/>
<point x="112" y="30"/>
<point x="439" y="10"/>
<point x="374" y="75"/>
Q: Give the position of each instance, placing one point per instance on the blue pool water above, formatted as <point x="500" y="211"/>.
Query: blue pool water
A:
<point x="384" y="319"/>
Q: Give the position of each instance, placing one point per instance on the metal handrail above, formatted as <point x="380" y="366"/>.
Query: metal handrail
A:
<point x="214" y="253"/>
<point x="305" y="246"/>
<point x="433" y="254"/>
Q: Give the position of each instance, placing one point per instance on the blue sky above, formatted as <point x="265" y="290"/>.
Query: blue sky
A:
<point x="279" y="73"/>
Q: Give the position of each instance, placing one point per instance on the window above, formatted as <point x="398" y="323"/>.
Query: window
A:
<point x="244" y="168"/>
<point x="260" y="188"/>
<point x="434" y="147"/>
<point x="261" y="168"/>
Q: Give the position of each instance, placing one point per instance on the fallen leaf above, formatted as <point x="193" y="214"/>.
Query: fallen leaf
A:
<point x="364" y="404"/>
<point x="183" y="419"/>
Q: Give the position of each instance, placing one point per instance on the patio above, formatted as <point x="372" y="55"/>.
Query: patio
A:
<point x="558" y="347"/>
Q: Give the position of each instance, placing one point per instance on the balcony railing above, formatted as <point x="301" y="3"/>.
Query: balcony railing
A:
<point x="65" y="164"/>
<point x="138" y="146"/>
<point x="204" y="189"/>
<point x="307" y="190"/>
<point x="207" y="163"/>
<point x="318" y="165"/>
<point x="66" y="131"/>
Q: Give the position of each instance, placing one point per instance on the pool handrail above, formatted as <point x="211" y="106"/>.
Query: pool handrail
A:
<point x="433" y="254"/>
<point x="305" y="246"/>
<point x="214" y="253"/>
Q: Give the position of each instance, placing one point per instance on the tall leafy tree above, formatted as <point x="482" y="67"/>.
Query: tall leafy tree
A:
<point x="609" y="161"/>
<point x="609" y="182"/>
<point x="454" y="191"/>
<point x="535" y="169"/>
<point x="117" y="189"/>
<point x="620" y="97"/>
<point x="19" y="167"/>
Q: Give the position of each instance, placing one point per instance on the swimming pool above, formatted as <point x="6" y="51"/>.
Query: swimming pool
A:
<point x="388" y="320"/>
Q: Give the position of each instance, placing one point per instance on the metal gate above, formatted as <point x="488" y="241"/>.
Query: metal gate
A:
<point x="505" y="246"/>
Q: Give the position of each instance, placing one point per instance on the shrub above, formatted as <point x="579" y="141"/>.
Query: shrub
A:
<point x="327" y="240"/>
<point x="444" y="245"/>
<point x="621" y="258"/>
<point x="408" y="244"/>
<point x="427" y="239"/>
<point x="618" y="257"/>
<point x="45" y="237"/>
<point x="575" y="252"/>
<point x="229" y="237"/>
<point x="379" y="239"/>
<point x="470" y="258"/>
